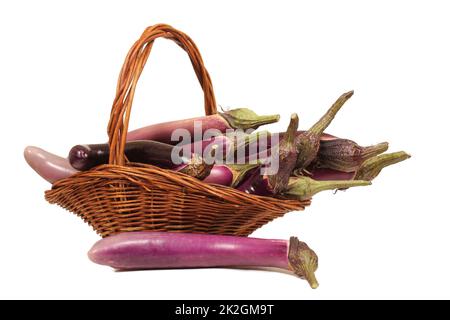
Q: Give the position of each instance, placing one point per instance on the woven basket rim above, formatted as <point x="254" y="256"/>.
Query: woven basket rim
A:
<point x="142" y="175"/>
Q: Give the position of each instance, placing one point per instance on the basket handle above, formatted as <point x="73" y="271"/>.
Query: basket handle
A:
<point x="130" y="73"/>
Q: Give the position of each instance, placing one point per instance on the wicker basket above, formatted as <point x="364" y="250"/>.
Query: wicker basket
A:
<point x="122" y="196"/>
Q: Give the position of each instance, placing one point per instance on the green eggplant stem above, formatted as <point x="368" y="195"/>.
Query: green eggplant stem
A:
<point x="371" y="151"/>
<point x="370" y="168"/>
<point x="308" y="142"/>
<point x="303" y="188"/>
<point x="239" y="171"/>
<point x="303" y="261"/>
<point x="287" y="155"/>
<point x="291" y="131"/>
<point x="319" y="127"/>
<point x="243" y="118"/>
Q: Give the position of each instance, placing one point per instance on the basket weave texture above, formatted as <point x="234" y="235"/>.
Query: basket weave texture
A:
<point x="123" y="196"/>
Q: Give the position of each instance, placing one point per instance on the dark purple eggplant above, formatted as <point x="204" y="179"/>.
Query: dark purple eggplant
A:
<point x="85" y="157"/>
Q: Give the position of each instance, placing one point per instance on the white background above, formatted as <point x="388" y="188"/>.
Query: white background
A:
<point x="59" y="62"/>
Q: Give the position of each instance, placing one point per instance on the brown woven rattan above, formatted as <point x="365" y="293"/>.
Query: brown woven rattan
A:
<point x="122" y="196"/>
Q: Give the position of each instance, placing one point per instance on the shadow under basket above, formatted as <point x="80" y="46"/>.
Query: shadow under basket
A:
<point x="122" y="196"/>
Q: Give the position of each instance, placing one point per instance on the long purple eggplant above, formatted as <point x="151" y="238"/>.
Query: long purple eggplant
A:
<point x="165" y="250"/>
<point x="49" y="166"/>
<point x="225" y="146"/>
<point x="233" y="119"/>
<point x="85" y="157"/>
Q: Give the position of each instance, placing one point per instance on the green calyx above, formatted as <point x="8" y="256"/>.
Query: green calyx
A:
<point x="303" y="261"/>
<point x="240" y="171"/>
<point x="308" y="142"/>
<point x="287" y="155"/>
<point x="243" y="118"/>
<point x="250" y="139"/>
<point x="319" y="127"/>
<point x="303" y="188"/>
<point x="372" y="167"/>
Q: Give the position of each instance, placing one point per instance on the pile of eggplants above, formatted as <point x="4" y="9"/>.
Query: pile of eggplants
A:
<point x="309" y="161"/>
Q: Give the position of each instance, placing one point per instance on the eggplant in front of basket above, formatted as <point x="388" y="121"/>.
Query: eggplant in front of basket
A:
<point x="157" y="250"/>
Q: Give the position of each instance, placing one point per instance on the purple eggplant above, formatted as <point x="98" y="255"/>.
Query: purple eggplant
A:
<point x="225" y="146"/>
<point x="85" y="157"/>
<point x="230" y="174"/>
<point x="233" y="119"/>
<point x="166" y="250"/>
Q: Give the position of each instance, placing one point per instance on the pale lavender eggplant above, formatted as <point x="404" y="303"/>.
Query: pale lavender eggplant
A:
<point x="49" y="166"/>
<point x="165" y="250"/>
<point x="233" y="119"/>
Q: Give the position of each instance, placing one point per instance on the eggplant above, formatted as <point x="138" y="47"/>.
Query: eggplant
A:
<point x="241" y="118"/>
<point x="168" y="250"/>
<point x="85" y="157"/>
